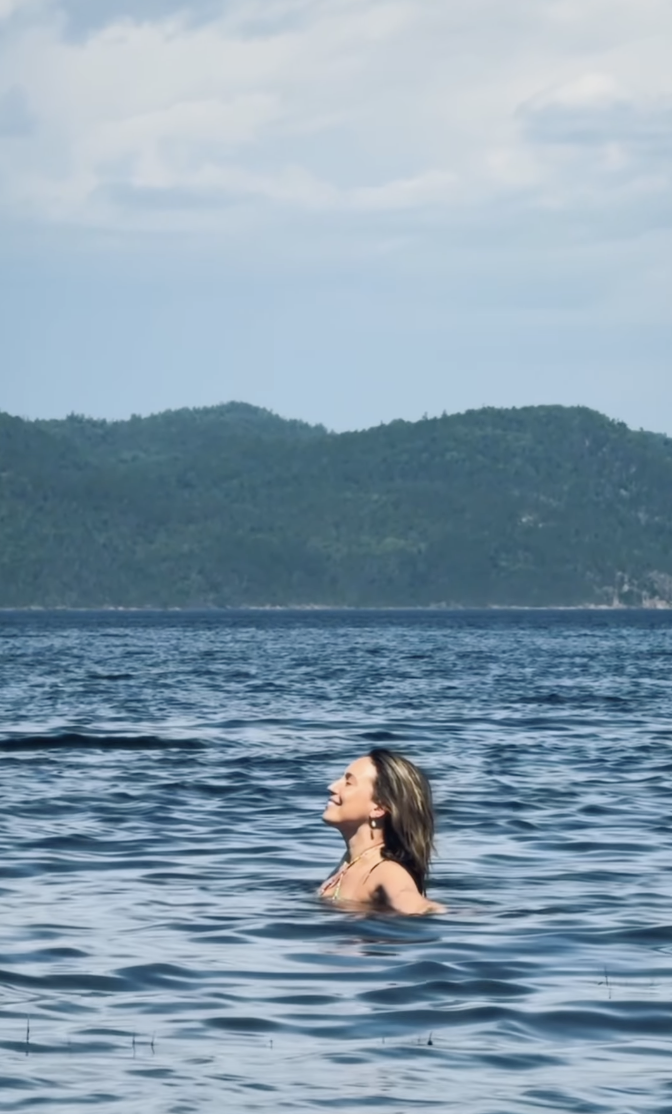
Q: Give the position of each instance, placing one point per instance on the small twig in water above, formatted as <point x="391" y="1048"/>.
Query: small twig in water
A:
<point x="606" y="981"/>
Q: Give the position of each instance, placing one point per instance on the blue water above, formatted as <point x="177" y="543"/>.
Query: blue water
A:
<point x="162" y="777"/>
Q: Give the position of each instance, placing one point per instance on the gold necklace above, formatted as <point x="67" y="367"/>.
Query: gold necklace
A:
<point x="338" y="878"/>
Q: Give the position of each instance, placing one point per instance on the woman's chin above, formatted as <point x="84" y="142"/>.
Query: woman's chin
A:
<point x="330" y="815"/>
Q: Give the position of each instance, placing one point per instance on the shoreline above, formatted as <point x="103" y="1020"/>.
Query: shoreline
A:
<point x="434" y="609"/>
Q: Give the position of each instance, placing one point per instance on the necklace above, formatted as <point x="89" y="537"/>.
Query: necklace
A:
<point x="340" y="875"/>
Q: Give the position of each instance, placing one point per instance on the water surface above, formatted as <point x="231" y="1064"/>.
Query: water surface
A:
<point x="161" y="781"/>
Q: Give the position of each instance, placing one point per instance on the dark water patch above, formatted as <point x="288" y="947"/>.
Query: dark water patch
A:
<point x="206" y="789"/>
<point x="70" y="740"/>
<point x="607" y="1022"/>
<point x="44" y="955"/>
<point x="83" y="983"/>
<point x="97" y="675"/>
<point x="543" y="698"/>
<point x="244" y="1024"/>
<point x="443" y="990"/>
<point x="312" y="1000"/>
<point x="158" y="974"/>
<point x="72" y="842"/>
<point x="655" y="935"/>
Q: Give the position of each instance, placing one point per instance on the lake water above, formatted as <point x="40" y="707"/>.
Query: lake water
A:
<point x="162" y="779"/>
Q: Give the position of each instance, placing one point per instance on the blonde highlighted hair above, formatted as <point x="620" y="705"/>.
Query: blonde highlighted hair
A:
<point x="408" y="825"/>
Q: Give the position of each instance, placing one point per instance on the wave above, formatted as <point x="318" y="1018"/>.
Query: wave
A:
<point x="75" y="740"/>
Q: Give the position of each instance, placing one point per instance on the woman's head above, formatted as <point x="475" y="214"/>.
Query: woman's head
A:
<point x="352" y="803"/>
<point x="389" y="793"/>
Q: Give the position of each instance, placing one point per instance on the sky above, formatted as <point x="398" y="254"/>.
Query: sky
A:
<point x="347" y="211"/>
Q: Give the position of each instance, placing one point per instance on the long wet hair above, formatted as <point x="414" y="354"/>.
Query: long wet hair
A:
<point x="408" y="825"/>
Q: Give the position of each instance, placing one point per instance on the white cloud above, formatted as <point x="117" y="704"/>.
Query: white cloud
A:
<point x="11" y="7"/>
<point x="359" y="107"/>
<point x="591" y="90"/>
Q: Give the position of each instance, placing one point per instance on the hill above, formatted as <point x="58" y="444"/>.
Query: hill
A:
<point x="232" y="505"/>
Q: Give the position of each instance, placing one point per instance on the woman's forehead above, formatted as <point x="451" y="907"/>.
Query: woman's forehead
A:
<point x="362" y="768"/>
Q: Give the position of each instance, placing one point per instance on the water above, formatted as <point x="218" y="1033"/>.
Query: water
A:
<point x="162" y="778"/>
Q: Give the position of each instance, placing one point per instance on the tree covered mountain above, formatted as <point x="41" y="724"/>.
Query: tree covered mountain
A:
<point x="232" y="505"/>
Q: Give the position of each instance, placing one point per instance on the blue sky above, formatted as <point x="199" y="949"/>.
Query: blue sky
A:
<point x="344" y="210"/>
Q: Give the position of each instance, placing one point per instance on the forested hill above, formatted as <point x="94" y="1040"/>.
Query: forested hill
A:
<point x="233" y="505"/>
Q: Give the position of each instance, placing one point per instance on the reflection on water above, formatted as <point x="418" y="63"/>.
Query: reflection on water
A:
<point x="161" y="945"/>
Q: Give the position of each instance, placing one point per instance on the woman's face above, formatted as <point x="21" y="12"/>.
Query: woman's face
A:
<point x="352" y="801"/>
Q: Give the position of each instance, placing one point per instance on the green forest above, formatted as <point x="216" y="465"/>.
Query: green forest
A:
<point x="234" y="506"/>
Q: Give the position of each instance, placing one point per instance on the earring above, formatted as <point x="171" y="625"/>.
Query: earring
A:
<point x="373" y="824"/>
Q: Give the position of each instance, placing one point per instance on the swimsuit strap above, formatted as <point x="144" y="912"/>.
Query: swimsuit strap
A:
<point x="379" y="863"/>
<point x="340" y="875"/>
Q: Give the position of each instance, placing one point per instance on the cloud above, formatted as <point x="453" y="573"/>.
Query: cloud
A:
<point x="597" y="142"/>
<point x="86" y="17"/>
<point x="9" y="8"/>
<point x="166" y="114"/>
<point x="595" y="112"/>
<point x="83" y="18"/>
<point x="15" y="115"/>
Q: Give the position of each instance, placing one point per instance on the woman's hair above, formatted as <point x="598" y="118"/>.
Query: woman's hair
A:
<point x="408" y="825"/>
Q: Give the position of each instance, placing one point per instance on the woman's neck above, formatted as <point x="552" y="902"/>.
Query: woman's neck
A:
<point x="360" y="842"/>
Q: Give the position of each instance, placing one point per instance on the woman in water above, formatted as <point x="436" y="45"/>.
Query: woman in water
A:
<point x="382" y="806"/>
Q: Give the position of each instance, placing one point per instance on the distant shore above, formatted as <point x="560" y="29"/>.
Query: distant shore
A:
<point x="317" y="607"/>
<point x="207" y="506"/>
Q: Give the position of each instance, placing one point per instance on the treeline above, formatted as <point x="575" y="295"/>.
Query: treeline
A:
<point x="232" y="505"/>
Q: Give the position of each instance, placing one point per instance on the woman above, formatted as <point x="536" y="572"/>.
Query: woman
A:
<point x="382" y="806"/>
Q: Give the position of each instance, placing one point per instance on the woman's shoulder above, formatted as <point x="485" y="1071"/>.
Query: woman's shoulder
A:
<point x="395" y="885"/>
<point x="388" y="872"/>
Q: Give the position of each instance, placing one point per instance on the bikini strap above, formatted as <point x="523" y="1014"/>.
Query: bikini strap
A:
<point x="379" y="863"/>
